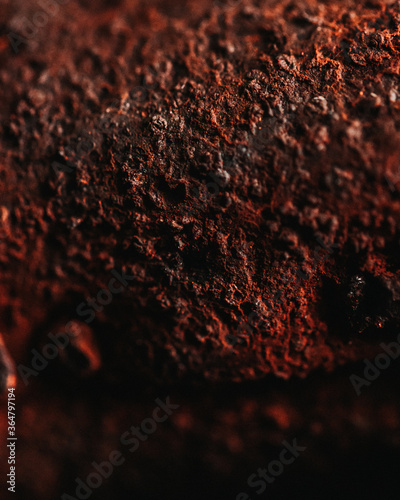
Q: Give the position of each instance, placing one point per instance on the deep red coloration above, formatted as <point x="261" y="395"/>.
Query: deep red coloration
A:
<point x="293" y="106"/>
<point x="117" y="117"/>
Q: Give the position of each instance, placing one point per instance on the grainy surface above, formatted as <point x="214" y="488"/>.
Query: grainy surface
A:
<point x="294" y="108"/>
<point x="116" y="116"/>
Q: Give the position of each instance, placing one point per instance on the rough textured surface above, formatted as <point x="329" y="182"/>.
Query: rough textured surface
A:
<point x="239" y="160"/>
<point x="293" y="107"/>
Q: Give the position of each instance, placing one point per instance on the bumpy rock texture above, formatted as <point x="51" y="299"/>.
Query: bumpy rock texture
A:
<point x="239" y="159"/>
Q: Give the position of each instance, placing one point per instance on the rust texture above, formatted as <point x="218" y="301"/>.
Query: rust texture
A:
<point x="201" y="191"/>
<point x="110" y="148"/>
